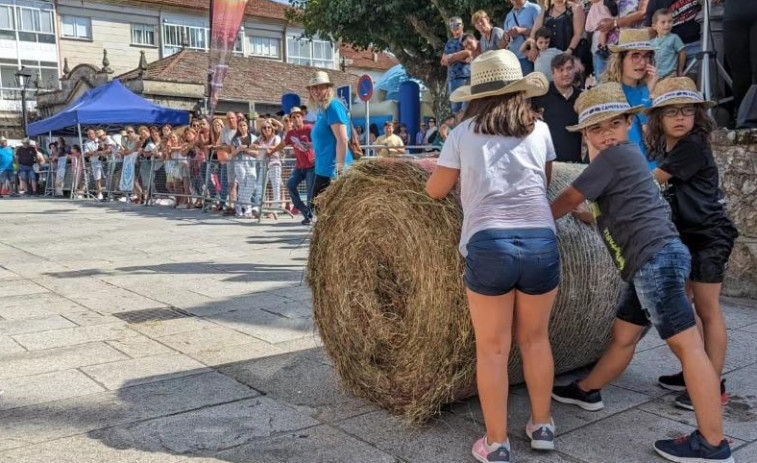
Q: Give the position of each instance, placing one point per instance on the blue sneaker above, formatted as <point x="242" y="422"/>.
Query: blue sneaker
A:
<point x="693" y="449"/>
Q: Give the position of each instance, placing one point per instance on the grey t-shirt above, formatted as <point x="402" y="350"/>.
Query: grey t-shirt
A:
<point x="632" y="217"/>
<point x="494" y="40"/>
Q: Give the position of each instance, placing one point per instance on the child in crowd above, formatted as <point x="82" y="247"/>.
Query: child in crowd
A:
<point x="670" y="52"/>
<point x="600" y="9"/>
<point x="678" y="132"/>
<point x="634" y="221"/>
<point x="543" y="61"/>
<point x="503" y="165"/>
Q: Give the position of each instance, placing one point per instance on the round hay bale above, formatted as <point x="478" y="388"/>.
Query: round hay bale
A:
<point x="389" y="299"/>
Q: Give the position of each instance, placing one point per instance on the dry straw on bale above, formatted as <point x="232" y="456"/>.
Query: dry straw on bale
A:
<point x="388" y="294"/>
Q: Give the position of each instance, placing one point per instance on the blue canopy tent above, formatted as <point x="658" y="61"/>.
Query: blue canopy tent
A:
<point x="111" y="104"/>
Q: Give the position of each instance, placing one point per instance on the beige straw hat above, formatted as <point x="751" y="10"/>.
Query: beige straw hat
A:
<point x="677" y="90"/>
<point x="601" y="103"/>
<point x="633" y="40"/>
<point x="498" y="72"/>
<point x="100" y="133"/>
<point x="320" y="78"/>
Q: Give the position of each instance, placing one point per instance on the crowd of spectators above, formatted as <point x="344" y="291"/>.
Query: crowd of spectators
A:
<point x="180" y="166"/>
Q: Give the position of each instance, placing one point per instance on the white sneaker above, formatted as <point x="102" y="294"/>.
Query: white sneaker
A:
<point x="99" y="196"/>
<point x="122" y="200"/>
<point x="542" y="436"/>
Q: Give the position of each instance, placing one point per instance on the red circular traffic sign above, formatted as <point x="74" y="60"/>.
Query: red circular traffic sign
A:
<point x="365" y="88"/>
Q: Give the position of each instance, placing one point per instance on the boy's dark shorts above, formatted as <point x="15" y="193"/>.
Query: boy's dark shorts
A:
<point x="499" y="261"/>
<point x="708" y="265"/>
<point x="657" y="292"/>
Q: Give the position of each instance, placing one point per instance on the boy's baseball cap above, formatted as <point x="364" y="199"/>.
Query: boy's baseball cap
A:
<point x="601" y="103"/>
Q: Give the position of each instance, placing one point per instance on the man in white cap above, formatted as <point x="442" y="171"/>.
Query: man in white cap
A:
<point x="6" y="167"/>
<point x="26" y="156"/>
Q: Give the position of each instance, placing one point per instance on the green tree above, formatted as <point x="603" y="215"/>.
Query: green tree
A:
<point x="415" y="31"/>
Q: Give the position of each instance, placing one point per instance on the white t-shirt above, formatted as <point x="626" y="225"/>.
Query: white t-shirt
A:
<point x="503" y="182"/>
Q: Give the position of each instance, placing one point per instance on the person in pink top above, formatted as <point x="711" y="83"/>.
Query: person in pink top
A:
<point x="299" y="139"/>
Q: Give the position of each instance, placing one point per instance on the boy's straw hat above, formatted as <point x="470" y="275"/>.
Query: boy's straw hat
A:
<point x="633" y="40"/>
<point x="677" y="90"/>
<point x="100" y="133"/>
<point x="601" y="103"/>
<point x="320" y="78"/>
<point x="498" y="72"/>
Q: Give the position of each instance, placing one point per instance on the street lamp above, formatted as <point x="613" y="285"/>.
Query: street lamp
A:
<point x="24" y="78"/>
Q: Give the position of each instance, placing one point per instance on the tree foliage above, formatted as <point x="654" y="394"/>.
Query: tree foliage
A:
<point x="415" y="31"/>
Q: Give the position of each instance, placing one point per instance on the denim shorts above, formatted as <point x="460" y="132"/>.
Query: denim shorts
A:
<point x="499" y="261"/>
<point x="26" y="173"/>
<point x="657" y="293"/>
<point x="5" y="176"/>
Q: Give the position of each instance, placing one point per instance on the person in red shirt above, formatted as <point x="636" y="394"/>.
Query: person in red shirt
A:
<point x="299" y="139"/>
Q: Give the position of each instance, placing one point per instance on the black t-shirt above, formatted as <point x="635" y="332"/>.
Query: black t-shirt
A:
<point x="740" y="10"/>
<point x="632" y="217"/>
<point x="558" y="114"/>
<point x="27" y="155"/>
<point x="694" y="193"/>
<point x="684" y="17"/>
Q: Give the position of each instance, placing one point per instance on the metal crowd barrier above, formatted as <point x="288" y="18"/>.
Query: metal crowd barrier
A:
<point x="252" y="187"/>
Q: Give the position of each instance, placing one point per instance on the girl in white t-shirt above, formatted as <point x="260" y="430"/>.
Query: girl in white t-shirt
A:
<point x="502" y="155"/>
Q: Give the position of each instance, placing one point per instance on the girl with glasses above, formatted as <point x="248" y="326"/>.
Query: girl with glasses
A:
<point x="679" y="133"/>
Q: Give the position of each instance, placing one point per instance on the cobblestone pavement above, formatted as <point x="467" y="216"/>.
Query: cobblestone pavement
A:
<point x="235" y="372"/>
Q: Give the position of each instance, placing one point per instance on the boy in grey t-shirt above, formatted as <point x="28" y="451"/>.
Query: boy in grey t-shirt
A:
<point x="635" y="224"/>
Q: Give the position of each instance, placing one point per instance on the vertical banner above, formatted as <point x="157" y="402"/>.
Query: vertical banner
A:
<point x="225" y="20"/>
<point x="127" y="174"/>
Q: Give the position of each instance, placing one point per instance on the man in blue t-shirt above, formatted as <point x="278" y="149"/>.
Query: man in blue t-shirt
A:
<point x="518" y="24"/>
<point x="6" y="166"/>
<point x="457" y="60"/>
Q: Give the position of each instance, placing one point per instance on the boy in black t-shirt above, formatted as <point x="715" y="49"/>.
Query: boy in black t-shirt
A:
<point x="633" y="219"/>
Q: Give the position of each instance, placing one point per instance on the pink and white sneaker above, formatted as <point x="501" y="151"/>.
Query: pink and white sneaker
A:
<point x="486" y="453"/>
<point x="542" y="436"/>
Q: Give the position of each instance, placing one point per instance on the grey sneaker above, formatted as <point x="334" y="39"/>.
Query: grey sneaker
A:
<point x="542" y="436"/>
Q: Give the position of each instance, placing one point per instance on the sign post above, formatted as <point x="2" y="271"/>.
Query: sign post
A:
<point x="365" y="93"/>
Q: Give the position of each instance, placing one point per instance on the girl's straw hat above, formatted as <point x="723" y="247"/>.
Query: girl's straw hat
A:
<point x="633" y="40"/>
<point x="320" y="78"/>
<point x="601" y="103"/>
<point x="498" y="72"/>
<point x="677" y="90"/>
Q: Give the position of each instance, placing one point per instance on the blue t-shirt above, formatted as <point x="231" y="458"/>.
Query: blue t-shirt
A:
<point x="458" y="69"/>
<point x="324" y="141"/>
<point x="639" y="96"/>
<point x="6" y="159"/>
<point x="526" y="17"/>
<point x="666" y="54"/>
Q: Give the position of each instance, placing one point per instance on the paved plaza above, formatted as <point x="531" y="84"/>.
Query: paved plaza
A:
<point x="233" y="371"/>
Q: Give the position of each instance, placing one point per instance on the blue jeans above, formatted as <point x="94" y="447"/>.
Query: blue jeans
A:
<point x="224" y="177"/>
<point x="600" y="65"/>
<point x="691" y="50"/>
<point x="499" y="261"/>
<point x="294" y="181"/>
<point x="526" y="65"/>
<point x="657" y="292"/>
<point x="26" y="173"/>
<point x="453" y="85"/>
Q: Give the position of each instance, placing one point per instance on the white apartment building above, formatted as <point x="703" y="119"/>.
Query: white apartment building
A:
<point x="161" y="28"/>
<point x="27" y="39"/>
